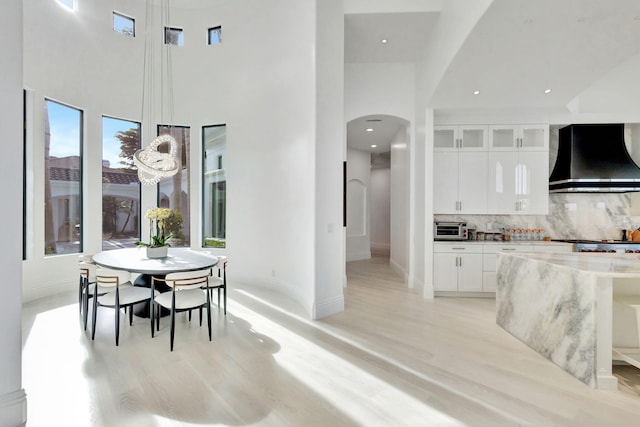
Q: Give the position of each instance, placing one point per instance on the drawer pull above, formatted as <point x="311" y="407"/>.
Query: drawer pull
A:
<point x="508" y="249"/>
<point x="458" y="249"/>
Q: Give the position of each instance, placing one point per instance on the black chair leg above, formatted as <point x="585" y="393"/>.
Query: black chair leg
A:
<point x="224" y="290"/>
<point x="117" y="325"/>
<point x="130" y="315"/>
<point x="85" y="303"/>
<point x="80" y="294"/>
<point x="152" y="310"/>
<point x="189" y="315"/>
<point x="173" y="326"/>
<point x="209" y="321"/>
<point x="200" y="315"/>
<point x="94" y="317"/>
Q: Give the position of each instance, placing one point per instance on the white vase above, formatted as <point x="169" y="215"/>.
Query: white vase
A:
<point x="159" y="252"/>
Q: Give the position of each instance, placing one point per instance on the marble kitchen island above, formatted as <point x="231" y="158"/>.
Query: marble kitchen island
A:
<point x="561" y="305"/>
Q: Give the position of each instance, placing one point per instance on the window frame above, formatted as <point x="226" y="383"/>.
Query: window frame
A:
<point x="180" y="39"/>
<point x="205" y="189"/>
<point x="140" y="214"/>
<point x="127" y="17"/>
<point x="80" y="204"/>
<point x="210" y="31"/>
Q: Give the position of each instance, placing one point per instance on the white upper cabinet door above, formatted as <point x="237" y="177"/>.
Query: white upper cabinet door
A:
<point x="472" y="183"/>
<point x="501" y="192"/>
<point x="510" y="137"/>
<point x="445" y="138"/>
<point x="473" y="137"/>
<point x="503" y="137"/>
<point x="518" y="182"/>
<point x="449" y="138"/>
<point x="445" y="182"/>
<point x="532" y="185"/>
<point x="534" y="137"/>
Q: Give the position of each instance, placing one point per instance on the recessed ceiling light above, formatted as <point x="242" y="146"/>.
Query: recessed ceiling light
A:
<point x="369" y="130"/>
<point x="384" y="41"/>
<point x="476" y="92"/>
<point x="547" y="91"/>
<point x="374" y="146"/>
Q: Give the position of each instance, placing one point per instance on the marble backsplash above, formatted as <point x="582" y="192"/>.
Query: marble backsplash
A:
<point x="571" y="216"/>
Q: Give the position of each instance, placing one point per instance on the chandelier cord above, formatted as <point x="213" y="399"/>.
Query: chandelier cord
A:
<point x="152" y="164"/>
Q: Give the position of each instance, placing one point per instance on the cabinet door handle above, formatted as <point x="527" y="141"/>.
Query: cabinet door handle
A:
<point x="460" y="261"/>
<point x="456" y="261"/>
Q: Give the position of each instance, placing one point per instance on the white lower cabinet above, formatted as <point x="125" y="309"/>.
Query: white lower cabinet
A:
<point x="457" y="267"/>
<point x="471" y="267"/>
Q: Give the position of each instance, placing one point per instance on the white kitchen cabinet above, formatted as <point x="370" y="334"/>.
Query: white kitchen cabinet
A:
<point x="457" y="267"/>
<point x="453" y="138"/>
<point x="518" y="182"/>
<point x="460" y="182"/>
<point x="527" y="137"/>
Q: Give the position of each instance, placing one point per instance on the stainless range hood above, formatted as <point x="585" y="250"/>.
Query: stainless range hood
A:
<point x="593" y="158"/>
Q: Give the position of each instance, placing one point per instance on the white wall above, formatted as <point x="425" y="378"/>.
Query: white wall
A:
<point x="330" y="139"/>
<point x="381" y="208"/>
<point x="399" y="182"/>
<point x="13" y="409"/>
<point x="358" y="205"/>
<point x="260" y="81"/>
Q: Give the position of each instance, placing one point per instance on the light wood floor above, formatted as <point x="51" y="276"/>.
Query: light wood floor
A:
<point x="390" y="359"/>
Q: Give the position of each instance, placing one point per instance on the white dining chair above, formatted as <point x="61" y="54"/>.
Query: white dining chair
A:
<point x="187" y="293"/>
<point x="121" y="295"/>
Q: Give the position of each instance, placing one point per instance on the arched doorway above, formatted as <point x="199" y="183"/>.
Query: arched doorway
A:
<point x="378" y="171"/>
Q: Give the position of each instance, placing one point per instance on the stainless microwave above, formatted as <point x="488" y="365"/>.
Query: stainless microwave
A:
<point x="449" y="230"/>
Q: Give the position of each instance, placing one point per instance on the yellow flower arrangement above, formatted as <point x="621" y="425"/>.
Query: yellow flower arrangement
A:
<point x="157" y="217"/>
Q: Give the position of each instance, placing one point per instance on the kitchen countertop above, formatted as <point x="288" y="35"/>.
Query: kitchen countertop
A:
<point x="502" y="242"/>
<point x="616" y="265"/>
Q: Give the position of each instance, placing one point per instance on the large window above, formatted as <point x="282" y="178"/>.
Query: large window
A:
<point x="214" y="186"/>
<point x="63" y="179"/>
<point x="173" y="192"/>
<point x="120" y="184"/>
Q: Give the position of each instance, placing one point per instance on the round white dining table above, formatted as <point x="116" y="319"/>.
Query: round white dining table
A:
<point x="135" y="260"/>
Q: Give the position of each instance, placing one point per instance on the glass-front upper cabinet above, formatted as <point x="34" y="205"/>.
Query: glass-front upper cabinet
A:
<point x="510" y="137"/>
<point x="446" y="138"/>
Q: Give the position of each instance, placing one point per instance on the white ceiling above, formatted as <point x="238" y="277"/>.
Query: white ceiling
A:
<point x="518" y="49"/>
<point x="406" y="34"/>
<point x="384" y="129"/>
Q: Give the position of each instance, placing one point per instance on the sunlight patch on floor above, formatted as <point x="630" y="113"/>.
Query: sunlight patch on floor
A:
<point x="61" y="368"/>
<point x="339" y="381"/>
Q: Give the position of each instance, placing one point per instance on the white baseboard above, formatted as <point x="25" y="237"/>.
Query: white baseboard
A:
<point x="380" y="246"/>
<point x="13" y="409"/>
<point x="398" y="269"/>
<point x="41" y="290"/>
<point x="357" y="256"/>
<point x="428" y="291"/>
<point x="329" y="307"/>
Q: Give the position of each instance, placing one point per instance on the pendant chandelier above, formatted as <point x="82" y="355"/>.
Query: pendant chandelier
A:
<point x="154" y="165"/>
